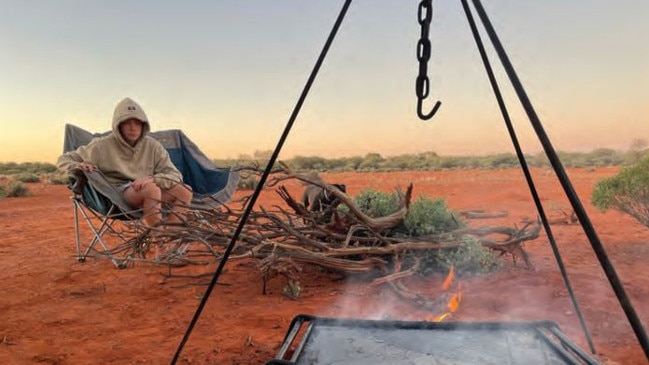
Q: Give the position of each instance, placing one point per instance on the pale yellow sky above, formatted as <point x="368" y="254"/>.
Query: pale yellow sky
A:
<point x="229" y="74"/>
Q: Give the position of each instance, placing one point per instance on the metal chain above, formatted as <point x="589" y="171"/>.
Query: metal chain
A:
<point x="422" y="85"/>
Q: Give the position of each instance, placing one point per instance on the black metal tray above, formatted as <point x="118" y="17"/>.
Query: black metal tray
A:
<point x="318" y="341"/>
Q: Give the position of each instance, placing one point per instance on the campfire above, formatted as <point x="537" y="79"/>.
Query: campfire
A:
<point x="454" y="298"/>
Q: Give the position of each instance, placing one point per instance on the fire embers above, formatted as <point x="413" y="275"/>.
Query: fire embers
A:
<point x="454" y="298"/>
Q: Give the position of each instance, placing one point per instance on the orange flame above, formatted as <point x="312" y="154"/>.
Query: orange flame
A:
<point x="449" y="279"/>
<point x="440" y="317"/>
<point x="453" y="302"/>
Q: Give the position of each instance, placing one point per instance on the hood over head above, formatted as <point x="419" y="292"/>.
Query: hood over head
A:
<point x="129" y="109"/>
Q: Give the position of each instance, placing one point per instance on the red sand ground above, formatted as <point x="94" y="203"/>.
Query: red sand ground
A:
<point x="57" y="311"/>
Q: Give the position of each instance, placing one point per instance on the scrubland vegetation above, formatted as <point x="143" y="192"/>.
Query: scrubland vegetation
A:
<point x="16" y="175"/>
<point x="627" y="192"/>
<point x="426" y="161"/>
<point x="431" y="161"/>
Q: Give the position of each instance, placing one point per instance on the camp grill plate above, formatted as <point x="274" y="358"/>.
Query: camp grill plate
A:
<point x="319" y="341"/>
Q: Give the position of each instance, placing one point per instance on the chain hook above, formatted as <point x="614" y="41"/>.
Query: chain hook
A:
<point x="422" y="84"/>
<point x="421" y="114"/>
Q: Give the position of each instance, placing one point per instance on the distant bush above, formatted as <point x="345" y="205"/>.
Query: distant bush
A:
<point x="425" y="161"/>
<point x="28" y="177"/>
<point x="627" y="192"/>
<point x="248" y="183"/>
<point x="15" y="189"/>
<point x="58" y="179"/>
<point x="12" y="168"/>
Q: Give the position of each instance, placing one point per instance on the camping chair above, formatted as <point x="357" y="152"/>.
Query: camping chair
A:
<point x="104" y="209"/>
<point x="101" y="206"/>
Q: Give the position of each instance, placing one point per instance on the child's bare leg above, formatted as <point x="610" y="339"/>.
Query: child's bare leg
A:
<point x="178" y="196"/>
<point x="149" y="198"/>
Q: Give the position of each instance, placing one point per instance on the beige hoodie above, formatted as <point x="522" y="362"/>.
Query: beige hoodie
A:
<point x="121" y="162"/>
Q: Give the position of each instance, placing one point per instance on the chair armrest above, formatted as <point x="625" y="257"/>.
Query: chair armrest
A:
<point x="77" y="180"/>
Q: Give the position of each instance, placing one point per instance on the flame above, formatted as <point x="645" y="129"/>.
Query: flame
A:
<point x="453" y="302"/>
<point x="449" y="279"/>
<point x="440" y="318"/>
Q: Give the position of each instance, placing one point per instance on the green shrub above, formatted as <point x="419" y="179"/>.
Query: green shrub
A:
<point x="376" y="203"/>
<point x="470" y="258"/>
<point x="428" y="216"/>
<point x="431" y="216"/>
<point x="627" y="192"/>
<point x="17" y="189"/>
<point x="3" y="191"/>
<point x="28" y="177"/>
<point x="425" y="216"/>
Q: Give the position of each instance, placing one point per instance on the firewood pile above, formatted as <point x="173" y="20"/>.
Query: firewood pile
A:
<point x="338" y="237"/>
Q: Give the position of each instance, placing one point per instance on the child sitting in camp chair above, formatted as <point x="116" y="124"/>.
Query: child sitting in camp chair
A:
<point x="136" y="165"/>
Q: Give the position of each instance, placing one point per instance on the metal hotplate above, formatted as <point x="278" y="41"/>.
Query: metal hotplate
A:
<point x="318" y="341"/>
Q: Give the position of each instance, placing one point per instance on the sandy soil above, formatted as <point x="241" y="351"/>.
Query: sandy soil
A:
<point x="55" y="310"/>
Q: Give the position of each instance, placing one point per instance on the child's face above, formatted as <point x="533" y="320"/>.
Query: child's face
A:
<point x="131" y="130"/>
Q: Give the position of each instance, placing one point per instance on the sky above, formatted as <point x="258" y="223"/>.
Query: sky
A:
<point x="229" y="72"/>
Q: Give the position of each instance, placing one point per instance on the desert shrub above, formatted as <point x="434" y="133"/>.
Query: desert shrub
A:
<point x="58" y="179"/>
<point x="470" y="258"/>
<point x="430" y="161"/>
<point x="3" y="191"/>
<point x="371" y="162"/>
<point x="308" y="163"/>
<point x="502" y="160"/>
<point x="627" y="192"/>
<point x="16" y="189"/>
<point x="430" y="216"/>
<point x="247" y="183"/>
<point x="12" y="168"/>
<point x="376" y="203"/>
<point x="28" y="177"/>
<point x="425" y="215"/>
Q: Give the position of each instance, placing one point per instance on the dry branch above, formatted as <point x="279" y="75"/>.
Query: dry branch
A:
<point x="284" y="239"/>
<point x="481" y="214"/>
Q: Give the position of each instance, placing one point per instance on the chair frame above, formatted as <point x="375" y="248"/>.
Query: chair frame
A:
<point x="100" y="224"/>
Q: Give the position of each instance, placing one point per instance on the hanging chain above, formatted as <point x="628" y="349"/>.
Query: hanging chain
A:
<point x="422" y="85"/>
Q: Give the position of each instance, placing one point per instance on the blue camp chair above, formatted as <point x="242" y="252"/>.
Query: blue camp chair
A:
<point x="103" y="207"/>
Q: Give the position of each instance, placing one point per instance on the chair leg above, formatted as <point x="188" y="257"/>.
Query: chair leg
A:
<point x="97" y="233"/>
<point x="80" y="258"/>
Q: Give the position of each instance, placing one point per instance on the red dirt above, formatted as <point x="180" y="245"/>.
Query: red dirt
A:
<point x="58" y="311"/>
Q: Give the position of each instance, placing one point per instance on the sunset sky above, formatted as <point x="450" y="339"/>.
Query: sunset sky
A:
<point x="229" y="72"/>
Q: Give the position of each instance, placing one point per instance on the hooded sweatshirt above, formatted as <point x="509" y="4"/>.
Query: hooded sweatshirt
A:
<point x="120" y="162"/>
